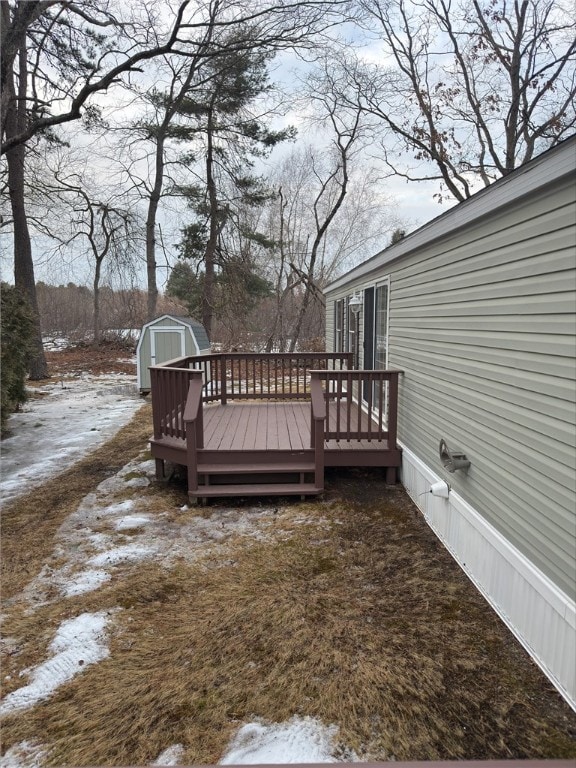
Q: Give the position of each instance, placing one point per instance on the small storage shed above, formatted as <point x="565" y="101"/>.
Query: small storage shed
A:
<point x="165" y="338"/>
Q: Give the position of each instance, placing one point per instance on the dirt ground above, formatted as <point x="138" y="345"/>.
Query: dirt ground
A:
<point x="110" y="357"/>
<point x="350" y="612"/>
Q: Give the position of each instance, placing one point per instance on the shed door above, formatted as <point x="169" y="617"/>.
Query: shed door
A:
<point x="166" y="344"/>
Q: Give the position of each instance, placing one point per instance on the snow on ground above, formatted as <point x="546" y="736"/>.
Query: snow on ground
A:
<point x="79" y="642"/>
<point x="170" y="756"/>
<point x="300" y="740"/>
<point x="23" y="755"/>
<point x="107" y="533"/>
<point x="61" y="423"/>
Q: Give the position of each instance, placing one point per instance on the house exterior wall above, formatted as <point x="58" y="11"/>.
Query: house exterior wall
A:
<point x="482" y="322"/>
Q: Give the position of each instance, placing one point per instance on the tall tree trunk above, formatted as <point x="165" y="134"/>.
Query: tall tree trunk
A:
<point x="16" y="157"/>
<point x="281" y="293"/>
<point x="96" y="289"/>
<point x="211" y="245"/>
<point x="310" y="287"/>
<point x="152" y="297"/>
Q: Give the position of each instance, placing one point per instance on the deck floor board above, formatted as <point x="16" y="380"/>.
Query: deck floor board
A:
<point x="274" y="426"/>
<point x="257" y="426"/>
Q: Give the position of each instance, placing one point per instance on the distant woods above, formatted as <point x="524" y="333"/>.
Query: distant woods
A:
<point x="68" y="311"/>
<point x="243" y="321"/>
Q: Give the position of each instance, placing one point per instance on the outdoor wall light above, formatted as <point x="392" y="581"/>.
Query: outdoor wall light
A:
<point x="452" y="458"/>
<point x="355" y="303"/>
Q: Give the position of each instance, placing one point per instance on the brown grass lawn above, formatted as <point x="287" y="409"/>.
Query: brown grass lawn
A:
<point x="351" y="612"/>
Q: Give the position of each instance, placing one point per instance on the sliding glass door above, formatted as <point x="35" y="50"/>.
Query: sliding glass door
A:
<point x="376" y="301"/>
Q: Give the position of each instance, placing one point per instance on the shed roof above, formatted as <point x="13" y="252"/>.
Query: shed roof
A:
<point x="197" y="328"/>
<point x="546" y="169"/>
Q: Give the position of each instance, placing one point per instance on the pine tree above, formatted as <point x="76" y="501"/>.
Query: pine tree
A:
<point x="219" y="122"/>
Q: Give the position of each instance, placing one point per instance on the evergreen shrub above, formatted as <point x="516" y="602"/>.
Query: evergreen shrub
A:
<point x="16" y="335"/>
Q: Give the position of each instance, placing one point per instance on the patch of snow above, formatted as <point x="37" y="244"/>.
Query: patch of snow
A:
<point x="61" y="424"/>
<point x="99" y="540"/>
<point x="23" y="755"/>
<point x="117" y="507"/>
<point x="90" y="554"/>
<point x="119" y="482"/>
<point x="87" y="581"/>
<point x="130" y="552"/>
<point x="55" y="344"/>
<point x="137" y="482"/>
<point x="131" y="521"/>
<point x="300" y="740"/>
<point x="170" y="756"/>
<point x="84" y="555"/>
<point x="78" y="643"/>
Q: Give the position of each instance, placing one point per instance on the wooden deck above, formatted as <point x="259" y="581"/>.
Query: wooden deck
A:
<point x="265" y="446"/>
<point x="275" y="426"/>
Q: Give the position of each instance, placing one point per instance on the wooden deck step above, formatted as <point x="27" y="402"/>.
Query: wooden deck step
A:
<point x="258" y="489"/>
<point x="279" y="467"/>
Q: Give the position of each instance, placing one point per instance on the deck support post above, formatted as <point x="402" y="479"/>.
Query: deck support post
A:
<point x="317" y="427"/>
<point x="159" y="469"/>
<point x="223" y="398"/>
<point x="319" y="454"/>
<point x="194" y="430"/>
<point x="192" y="460"/>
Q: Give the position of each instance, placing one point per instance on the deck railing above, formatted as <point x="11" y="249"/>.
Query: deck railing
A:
<point x="194" y="423"/>
<point x="169" y="387"/>
<point x="251" y="375"/>
<point x="360" y="405"/>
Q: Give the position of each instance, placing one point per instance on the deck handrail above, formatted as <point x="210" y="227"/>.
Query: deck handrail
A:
<point x="169" y="388"/>
<point x="194" y="426"/>
<point x="317" y="428"/>
<point x="371" y="397"/>
<point x="254" y="375"/>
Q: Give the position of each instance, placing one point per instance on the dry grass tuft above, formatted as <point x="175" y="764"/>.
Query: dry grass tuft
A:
<point x="363" y="620"/>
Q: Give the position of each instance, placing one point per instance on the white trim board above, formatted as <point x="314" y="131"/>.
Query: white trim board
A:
<point x="541" y="616"/>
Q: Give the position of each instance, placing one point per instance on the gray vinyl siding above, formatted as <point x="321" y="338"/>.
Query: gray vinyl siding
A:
<point x="482" y="322"/>
<point x="330" y="335"/>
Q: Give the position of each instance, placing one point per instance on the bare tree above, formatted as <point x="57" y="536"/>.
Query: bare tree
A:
<point x="53" y="58"/>
<point x="98" y="226"/>
<point x="474" y="88"/>
<point x="333" y="181"/>
<point x="306" y="195"/>
<point x="14" y="122"/>
<point x="71" y="60"/>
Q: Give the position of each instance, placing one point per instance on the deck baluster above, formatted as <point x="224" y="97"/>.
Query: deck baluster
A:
<point x="370" y="404"/>
<point x="337" y="403"/>
<point x="223" y="366"/>
<point x="392" y="409"/>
